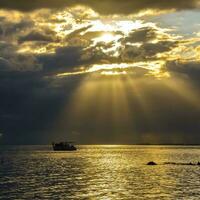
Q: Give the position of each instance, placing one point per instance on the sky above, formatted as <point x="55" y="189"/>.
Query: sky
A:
<point x="100" y="72"/>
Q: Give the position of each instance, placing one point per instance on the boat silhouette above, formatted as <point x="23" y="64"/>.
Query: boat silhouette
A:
<point x="64" y="146"/>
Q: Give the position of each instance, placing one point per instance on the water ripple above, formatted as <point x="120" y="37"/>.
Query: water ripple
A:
<point x="99" y="172"/>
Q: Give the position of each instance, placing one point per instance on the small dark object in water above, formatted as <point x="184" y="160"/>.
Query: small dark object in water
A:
<point x="64" y="146"/>
<point x="151" y="163"/>
<point x="177" y="163"/>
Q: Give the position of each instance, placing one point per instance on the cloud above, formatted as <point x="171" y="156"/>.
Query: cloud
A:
<point x="189" y="69"/>
<point x="38" y="44"/>
<point x="65" y="58"/>
<point x="35" y="46"/>
<point x="4" y="64"/>
<point x="12" y="28"/>
<point x="30" y="103"/>
<point x="141" y="35"/>
<point x="103" y="6"/>
<point x="76" y="39"/>
<point x="146" y="51"/>
<point x="33" y="110"/>
<point x="10" y="60"/>
<point x="71" y="58"/>
<point x="146" y="43"/>
<point x="37" y="36"/>
<point x="152" y="49"/>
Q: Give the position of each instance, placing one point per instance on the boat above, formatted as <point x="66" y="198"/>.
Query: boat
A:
<point x="64" y="146"/>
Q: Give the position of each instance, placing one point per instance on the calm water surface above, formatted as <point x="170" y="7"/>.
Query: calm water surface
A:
<point x="99" y="172"/>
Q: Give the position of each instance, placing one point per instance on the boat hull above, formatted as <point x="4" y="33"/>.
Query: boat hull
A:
<point x="63" y="146"/>
<point x="64" y="149"/>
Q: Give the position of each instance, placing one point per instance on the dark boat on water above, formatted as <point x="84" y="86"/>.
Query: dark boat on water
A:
<point x="64" y="146"/>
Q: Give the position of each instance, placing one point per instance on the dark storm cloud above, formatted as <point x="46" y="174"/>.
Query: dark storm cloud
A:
<point x="30" y="103"/>
<point x="76" y="39"/>
<point x="70" y="58"/>
<point x="130" y="53"/>
<point x="65" y="58"/>
<point x="141" y="35"/>
<point x="148" y="48"/>
<point x="9" y="28"/>
<point x="145" y="51"/>
<point x="37" y="36"/>
<point x="32" y="98"/>
<point x="10" y="60"/>
<point x="103" y="6"/>
<point x="151" y="49"/>
<point x="74" y="50"/>
<point x="31" y="106"/>
<point x="188" y="69"/>
<point x="4" y="64"/>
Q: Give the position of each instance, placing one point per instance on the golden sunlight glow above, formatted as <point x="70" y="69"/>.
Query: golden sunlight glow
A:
<point x="128" y="25"/>
<point x="107" y="37"/>
<point x="95" y="68"/>
<point x="71" y="73"/>
<point x="113" y="73"/>
<point x="104" y="98"/>
<point x="154" y="68"/>
<point x="13" y="16"/>
<point x="109" y="70"/>
<point x="153" y="12"/>
<point x="78" y="21"/>
<point x="124" y="26"/>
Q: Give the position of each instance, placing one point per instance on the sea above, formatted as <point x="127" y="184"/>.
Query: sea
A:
<point x="101" y="172"/>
